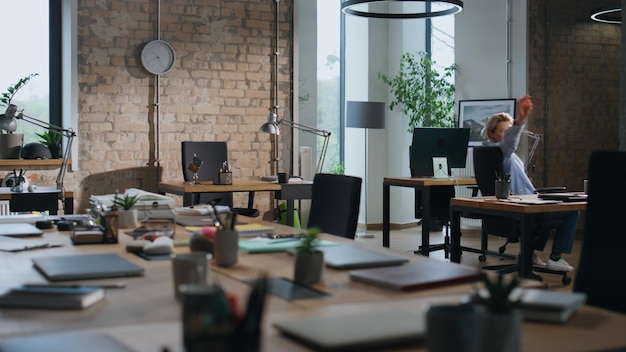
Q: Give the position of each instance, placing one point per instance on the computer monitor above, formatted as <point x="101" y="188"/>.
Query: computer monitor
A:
<point x="429" y="142"/>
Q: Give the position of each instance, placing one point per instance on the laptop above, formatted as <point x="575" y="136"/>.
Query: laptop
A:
<point x="565" y="196"/>
<point x="357" y="332"/>
<point x="86" y="266"/>
<point x="20" y="230"/>
<point x="194" y="221"/>
<point x="353" y="257"/>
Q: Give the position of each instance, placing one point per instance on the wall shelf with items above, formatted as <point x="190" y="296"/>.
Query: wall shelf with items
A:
<point x="26" y="162"/>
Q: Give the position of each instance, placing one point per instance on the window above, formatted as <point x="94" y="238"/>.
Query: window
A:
<point x="36" y="50"/>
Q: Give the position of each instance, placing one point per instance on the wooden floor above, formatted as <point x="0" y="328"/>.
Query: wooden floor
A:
<point x="408" y="240"/>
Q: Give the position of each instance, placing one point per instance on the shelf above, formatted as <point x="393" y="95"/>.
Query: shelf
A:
<point x="26" y="162"/>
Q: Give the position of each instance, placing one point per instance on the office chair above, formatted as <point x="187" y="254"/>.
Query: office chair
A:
<point x="335" y="204"/>
<point x="601" y="257"/>
<point x="488" y="164"/>
<point x="213" y="155"/>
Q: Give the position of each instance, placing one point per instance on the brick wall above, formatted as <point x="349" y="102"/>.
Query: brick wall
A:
<point x="574" y="78"/>
<point x="218" y="90"/>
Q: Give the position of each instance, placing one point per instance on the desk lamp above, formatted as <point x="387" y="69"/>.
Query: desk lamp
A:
<point x="8" y="121"/>
<point x="365" y="114"/>
<point x="273" y="121"/>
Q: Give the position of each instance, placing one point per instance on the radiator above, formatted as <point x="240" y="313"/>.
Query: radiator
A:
<point x="4" y="208"/>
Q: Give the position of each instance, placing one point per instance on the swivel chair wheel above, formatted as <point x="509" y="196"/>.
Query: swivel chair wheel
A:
<point x="482" y="258"/>
<point x="566" y="279"/>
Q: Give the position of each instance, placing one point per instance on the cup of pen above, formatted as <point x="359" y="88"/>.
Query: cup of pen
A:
<point x="502" y="188"/>
<point x="226" y="242"/>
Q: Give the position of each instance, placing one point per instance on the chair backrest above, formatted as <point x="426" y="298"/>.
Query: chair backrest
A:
<point x="213" y="155"/>
<point x="335" y="204"/>
<point x="602" y="265"/>
<point x="487" y="167"/>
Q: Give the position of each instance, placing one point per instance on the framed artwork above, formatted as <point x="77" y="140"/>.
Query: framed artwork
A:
<point x="473" y="114"/>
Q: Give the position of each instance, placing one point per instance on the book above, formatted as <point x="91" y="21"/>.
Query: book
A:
<point x="549" y="306"/>
<point x="51" y="297"/>
<point x="413" y="276"/>
<point x="252" y="229"/>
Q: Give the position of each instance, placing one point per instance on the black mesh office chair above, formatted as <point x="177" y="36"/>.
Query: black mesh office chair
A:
<point x="335" y="204"/>
<point x="601" y="259"/>
<point x="487" y="166"/>
<point x="213" y="155"/>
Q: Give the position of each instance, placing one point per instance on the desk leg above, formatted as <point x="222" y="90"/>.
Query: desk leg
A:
<point x="425" y="221"/>
<point x="526" y="248"/>
<point x="289" y="215"/>
<point x="386" y="211"/>
<point x="455" y="251"/>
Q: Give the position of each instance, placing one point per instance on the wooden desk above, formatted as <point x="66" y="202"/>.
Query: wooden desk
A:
<point x="288" y="191"/>
<point x="250" y="186"/>
<point x="424" y="184"/>
<point x="68" y="205"/>
<point x="146" y="317"/>
<point x="521" y="213"/>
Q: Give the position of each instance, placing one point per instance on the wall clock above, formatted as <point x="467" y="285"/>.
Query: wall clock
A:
<point x="158" y="57"/>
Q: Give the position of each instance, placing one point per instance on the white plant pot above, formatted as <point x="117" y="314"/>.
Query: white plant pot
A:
<point x="127" y="219"/>
<point x="502" y="332"/>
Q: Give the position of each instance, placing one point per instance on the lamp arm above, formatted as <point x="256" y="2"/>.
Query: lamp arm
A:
<point x="537" y="138"/>
<point x="315" y="131"/>
<point x="44" y="124"/>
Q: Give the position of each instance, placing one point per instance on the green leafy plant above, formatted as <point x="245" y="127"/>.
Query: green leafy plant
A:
<point x="499" y="288"/>
<point x="425" y="95"/>
<point x="126" y="202"/>
<point x="5" y="98"/>
<point x="338" y="168"/>
<point x="50" y="138"/>
<point x="309" y="241"/>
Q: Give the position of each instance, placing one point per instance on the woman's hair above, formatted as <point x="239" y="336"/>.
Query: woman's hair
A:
<point x="493" y="121"/>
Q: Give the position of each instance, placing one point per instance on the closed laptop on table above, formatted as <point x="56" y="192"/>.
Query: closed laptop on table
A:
<point x="353" y="257"/>
<point x="19" y="230"/>
<point x="86" y="266"/>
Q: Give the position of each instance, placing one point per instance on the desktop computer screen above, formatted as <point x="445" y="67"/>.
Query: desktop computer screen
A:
<point x="430" y="142"/>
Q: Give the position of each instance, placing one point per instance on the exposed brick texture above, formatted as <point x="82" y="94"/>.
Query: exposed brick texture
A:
<point x="218" y="90"/>
<point x="574" y="78"/>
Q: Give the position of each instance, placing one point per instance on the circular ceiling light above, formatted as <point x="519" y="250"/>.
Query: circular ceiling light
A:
<point x="400" y="9"/>
<point x="607" y="14"/>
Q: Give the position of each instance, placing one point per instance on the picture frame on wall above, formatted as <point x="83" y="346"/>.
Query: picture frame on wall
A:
<point x="473" y="114"/>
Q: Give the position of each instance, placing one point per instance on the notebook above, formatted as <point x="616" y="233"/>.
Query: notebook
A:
<point x="352" y="257"/>
<point x="415" y="276"/>
<point x="20" y="230"/>
<point x="357" y="332"/>
<point x="86" y="266"/>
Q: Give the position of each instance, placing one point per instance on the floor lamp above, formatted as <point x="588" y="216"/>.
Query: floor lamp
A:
<point x="365" y="114"/>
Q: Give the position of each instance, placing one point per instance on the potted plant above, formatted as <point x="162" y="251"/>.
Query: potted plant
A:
<point x="127" y="215"/>
<point x="425" y="94"/>
<point x="309" y="260"/>
<point x="501" y="321"/>
<point x="51" y="139"/>
<point x="11" y="143"/>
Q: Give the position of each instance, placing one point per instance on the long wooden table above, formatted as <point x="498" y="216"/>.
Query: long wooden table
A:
<point x="424" y="184"/>
<point x="522" y="213"/>
<point x="146" y="317"/>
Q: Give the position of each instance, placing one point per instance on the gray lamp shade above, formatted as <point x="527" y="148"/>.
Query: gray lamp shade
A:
<point x="365" y="114"/>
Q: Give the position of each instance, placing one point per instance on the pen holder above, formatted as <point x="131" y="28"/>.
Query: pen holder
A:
<point x="226" y="247"/>
<point x="225" y="178"/>
<point x="502" y="189"/>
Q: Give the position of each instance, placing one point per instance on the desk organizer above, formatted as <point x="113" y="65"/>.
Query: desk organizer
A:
<point x="225" y="178"/>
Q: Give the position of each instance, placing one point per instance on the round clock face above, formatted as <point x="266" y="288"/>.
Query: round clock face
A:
<point x="158" y="57"/>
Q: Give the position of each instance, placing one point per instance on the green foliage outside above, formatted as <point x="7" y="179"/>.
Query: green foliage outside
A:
<point x="425" y="94"/>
